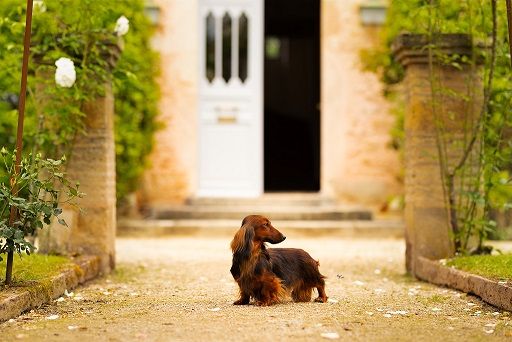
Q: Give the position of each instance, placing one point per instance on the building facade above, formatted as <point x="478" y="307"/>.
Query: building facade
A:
<point x="266" y="96"/>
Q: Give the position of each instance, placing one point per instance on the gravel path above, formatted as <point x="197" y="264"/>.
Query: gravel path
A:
<point x="180" y="289"/>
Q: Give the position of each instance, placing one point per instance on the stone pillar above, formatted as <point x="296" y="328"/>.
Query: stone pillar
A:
<point x="426" y="216"/>
<point x="92" y="163"/>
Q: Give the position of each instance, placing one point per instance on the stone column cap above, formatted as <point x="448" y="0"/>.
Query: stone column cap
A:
<point x="413" y="48"/>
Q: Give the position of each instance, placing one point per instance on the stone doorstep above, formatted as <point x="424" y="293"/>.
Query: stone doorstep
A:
<point x="86" y="268"/>
<point x="499" y="295"/>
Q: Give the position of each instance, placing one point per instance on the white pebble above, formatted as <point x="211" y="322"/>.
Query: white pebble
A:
<point x="330" y="335"/>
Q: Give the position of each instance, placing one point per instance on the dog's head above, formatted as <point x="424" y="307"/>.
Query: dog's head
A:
<point x="255" y="229"/>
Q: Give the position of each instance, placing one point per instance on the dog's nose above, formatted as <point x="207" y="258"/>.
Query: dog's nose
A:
<point x="284" y="238"/>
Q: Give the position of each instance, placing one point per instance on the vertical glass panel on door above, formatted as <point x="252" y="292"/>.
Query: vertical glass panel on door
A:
<point x="226" y="47"/>
<point x="210" y="47"/>
<point x="243" y="24"/>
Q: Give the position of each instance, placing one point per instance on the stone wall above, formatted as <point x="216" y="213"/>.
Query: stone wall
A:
<point x="358" y="164"/>
<point x="173" y="172"/>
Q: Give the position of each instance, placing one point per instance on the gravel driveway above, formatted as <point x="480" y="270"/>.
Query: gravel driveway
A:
<point x="180" y="289"/>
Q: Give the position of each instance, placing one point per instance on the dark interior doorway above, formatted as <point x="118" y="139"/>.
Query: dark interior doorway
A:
<point x="292" y="95"/>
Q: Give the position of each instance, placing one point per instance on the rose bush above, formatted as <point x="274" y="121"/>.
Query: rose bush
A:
<point x="82" y="31"/>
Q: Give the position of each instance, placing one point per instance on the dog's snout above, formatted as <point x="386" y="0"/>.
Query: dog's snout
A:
<point x="284" y="238"/>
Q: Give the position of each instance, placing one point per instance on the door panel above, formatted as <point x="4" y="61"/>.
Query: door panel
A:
<point x="230" y="98"/>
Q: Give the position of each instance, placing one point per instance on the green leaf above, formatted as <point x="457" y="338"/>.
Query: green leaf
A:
<point x="18" y="235"/>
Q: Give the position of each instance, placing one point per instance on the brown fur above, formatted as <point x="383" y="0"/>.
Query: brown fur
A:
<point x="268" y="275"/>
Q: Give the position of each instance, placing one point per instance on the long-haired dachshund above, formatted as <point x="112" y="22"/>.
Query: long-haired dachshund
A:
<point x="269" y="275"/>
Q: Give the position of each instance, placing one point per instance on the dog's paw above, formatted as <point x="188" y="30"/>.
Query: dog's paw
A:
<point x="264" y="303"/>
<point x="321" y="300"/>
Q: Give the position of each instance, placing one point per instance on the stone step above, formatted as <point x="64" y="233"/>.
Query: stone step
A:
<point x="276" y="206"/>
<point x="238" y="212"/>
<point x="389" y="228"/>
<point x="267" y="200"/>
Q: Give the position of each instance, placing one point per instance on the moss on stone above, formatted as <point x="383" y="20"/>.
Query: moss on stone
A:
<point x="496" y="267"/>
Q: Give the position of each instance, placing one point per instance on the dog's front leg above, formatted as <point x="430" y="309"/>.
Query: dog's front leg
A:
<point x="244" y="296"/>
<point x="244" y="299"/>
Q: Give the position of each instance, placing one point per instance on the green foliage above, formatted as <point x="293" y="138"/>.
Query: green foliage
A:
<point x="489" y="185"/>
<point x="82" y="30"/>
<point x="496" y="267"/>
<point x="136" y="99"/>
<point x="35" y="192"/>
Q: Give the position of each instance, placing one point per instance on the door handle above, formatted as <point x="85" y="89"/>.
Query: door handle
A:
<point x="226" y="115"/>
<point x="226" y="119"/>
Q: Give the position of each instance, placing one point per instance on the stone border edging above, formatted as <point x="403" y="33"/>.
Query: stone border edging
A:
<point x="84" y="269"/>
<point x="499" y="295"/>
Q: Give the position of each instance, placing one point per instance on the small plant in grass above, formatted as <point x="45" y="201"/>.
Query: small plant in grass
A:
<point x="34" y="193"/>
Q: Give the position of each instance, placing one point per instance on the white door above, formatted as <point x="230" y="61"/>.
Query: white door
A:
<point x="230" y="98"/>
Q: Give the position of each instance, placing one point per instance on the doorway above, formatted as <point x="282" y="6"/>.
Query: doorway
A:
<point x="292" y="95"/>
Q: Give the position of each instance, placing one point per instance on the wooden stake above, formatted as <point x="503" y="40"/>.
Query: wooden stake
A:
<point x="19" y="134"/>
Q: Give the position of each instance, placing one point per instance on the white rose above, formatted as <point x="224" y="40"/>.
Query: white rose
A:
<point x="65" y="75"/>
<point x="122" y="26"/>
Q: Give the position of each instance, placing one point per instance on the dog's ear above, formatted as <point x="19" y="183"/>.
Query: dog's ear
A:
<point x="242" y="242"/>
<point x="245" y="220"/>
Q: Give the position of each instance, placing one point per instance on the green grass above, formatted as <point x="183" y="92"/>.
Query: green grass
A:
<point x="496" y="267"/>
<point x="34" y="268"/>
